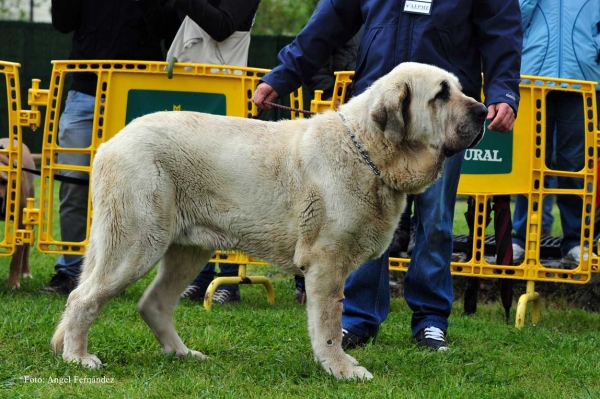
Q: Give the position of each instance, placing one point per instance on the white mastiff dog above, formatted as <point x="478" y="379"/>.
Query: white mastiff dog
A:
<point x="318" y="196"/>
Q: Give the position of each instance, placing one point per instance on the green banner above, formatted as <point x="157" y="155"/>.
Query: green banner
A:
<point x="492" y="156"/>
<point x="142" y="102"/>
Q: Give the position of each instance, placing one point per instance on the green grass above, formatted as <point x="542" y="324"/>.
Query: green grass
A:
<point x="262" y="351"/>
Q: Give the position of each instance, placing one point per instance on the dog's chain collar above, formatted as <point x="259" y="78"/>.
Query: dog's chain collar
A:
<point x="361" y="150"/>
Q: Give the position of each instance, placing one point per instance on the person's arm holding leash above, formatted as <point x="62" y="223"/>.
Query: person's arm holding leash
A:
<point x="333" y="23"/>
<point x="499" y="28"/>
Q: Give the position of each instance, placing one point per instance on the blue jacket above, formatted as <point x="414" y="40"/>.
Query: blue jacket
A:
<point x="464" y="37"/>
<point x="561" y="39"/>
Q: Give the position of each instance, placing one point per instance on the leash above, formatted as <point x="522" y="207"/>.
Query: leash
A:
<point x="61" y="178"/>
<point x="284" y="107"/>
<point x="64" y="179"/>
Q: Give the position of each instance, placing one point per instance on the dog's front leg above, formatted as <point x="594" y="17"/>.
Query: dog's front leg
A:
<point x="324" y="307"/>
<point x="16" y="263"/>
<point x="25" y="270"/>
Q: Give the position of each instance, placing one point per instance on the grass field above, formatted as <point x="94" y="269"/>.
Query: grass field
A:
<point x="262" y="351"/>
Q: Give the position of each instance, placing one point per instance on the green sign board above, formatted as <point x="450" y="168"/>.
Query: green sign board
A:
<point x="492" y="156"/>
<point x="142" y="102"/>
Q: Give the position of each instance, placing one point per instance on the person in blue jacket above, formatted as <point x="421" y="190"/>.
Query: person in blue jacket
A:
<point x="465" y="37"/>
<point x="561" y="40"/>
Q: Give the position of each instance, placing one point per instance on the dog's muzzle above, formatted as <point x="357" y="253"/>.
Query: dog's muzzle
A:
<point x="479" y="114"/>
<point x="478" y="138"/>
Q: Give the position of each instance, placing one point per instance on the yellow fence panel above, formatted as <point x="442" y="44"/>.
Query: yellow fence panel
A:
<point x="501" y="164"/>
<point x="523" y="153"/>
<point x="514" y="163"/>
<point x="127" y="90"/>
<point x="10" y="170"/>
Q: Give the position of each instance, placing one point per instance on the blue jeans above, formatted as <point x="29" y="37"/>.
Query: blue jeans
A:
<point x="74" y="131"/>
<point x="206" y="276"/>
<point x="520" y="213"/>
<point x="428" y="283"/>
<point x="565" y="129"/>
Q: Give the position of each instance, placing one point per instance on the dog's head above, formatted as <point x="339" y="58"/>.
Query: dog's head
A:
<point x="421" y="116"/>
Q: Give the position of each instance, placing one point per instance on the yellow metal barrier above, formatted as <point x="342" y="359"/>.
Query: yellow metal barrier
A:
<point x="514" y="163"/>
<point x="17" y="119"/>
<point x="128" y="89"/>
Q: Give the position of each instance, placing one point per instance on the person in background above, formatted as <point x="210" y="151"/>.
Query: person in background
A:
<point x="561" y="40"/>
<point x="214" y="32"/>
<point x="465" y="37"/>
<point x="106" y="30"/>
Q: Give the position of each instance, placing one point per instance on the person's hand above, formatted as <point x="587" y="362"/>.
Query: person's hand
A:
<point x="502" y="117"/>
<point x="264" y="92"/>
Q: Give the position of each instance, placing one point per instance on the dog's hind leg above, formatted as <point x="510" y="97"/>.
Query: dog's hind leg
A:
<point x="106" y="278"/>
<point x="178" y="268"/>
<point x="325" y="294"/>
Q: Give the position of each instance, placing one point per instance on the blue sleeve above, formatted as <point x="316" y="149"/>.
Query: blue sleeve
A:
<point x="333" y="23"/>
<point x="500" y="44"/>
<point x="527" y="7"/>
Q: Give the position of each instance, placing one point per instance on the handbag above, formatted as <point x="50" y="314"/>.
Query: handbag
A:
<point x="193" y="44"/>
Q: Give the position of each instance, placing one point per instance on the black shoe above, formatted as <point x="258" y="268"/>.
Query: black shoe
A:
<point x="351" y="340"/>
<point x="432" y="338"/>
<point x="300" y="295"/>
<point x="223" y="297"/>
<point x="193" y="293"/>
<point x="60" y="283"/>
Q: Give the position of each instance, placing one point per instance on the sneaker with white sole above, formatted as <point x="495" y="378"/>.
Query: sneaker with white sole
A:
<point x="432" y="338"/>
<point x="518" y="253"/>
<point x="223" y="296"/>
<point x="572" y="259"/>
<point x="194" y="293"/>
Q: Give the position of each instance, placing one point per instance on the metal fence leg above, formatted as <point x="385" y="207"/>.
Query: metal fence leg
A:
<point x="529" y="296"/>
<point x="240" y="279"/>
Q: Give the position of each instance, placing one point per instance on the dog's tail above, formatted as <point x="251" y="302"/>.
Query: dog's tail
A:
<point x="58" y="339"/>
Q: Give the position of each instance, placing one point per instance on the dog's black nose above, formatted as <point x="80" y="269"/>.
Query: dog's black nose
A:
<point x="480" y="111"/>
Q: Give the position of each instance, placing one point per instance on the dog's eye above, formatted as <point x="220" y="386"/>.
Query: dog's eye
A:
<point x="444" y="93"/>
<point x="3" y="183"/>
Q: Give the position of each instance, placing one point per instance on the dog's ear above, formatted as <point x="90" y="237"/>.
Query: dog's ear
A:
<point x="391" y="113"/>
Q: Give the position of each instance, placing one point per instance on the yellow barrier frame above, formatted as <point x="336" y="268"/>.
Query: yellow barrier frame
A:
<point x="116" y="78"/>
<point x="17" y="119"/>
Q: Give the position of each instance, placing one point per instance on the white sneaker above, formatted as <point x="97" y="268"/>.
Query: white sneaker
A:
<point x="518" y="253"/>
<point x="572" y="258"/>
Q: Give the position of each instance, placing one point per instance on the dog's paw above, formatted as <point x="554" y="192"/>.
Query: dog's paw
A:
<point x="27" y="275"/>
<point x="88" y="360"/>
<point x="357" y="373"/>
<point x="349" y="371"/>
<point x="352" y="360"/>
<point x="13" y="282"/>
<point x="188" y="353"/>
<point x="198" y="355"/>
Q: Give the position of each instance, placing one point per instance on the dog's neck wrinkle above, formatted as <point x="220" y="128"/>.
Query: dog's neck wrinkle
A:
<point x="359" y="146"/>
<point x="363" y="127"/>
